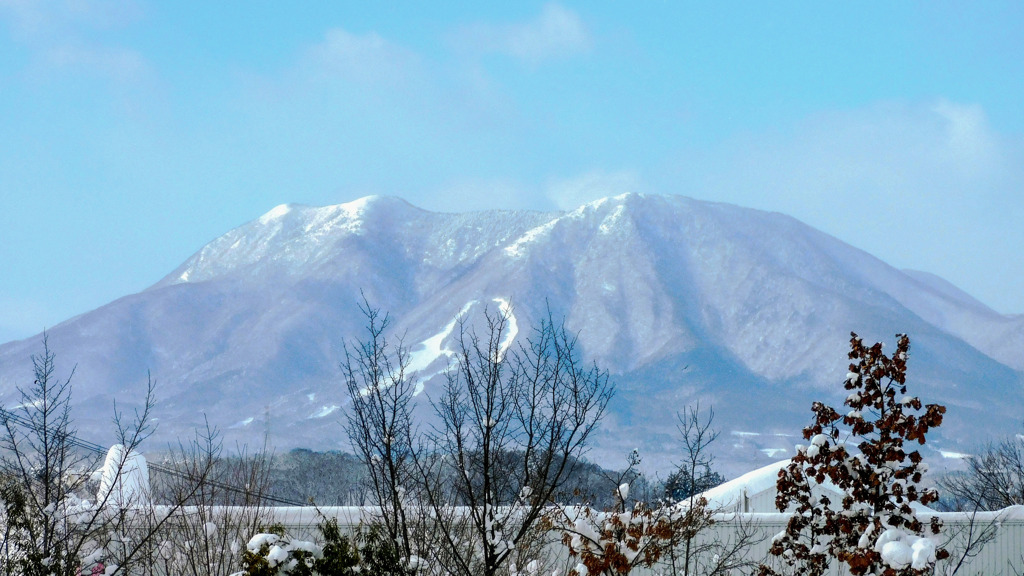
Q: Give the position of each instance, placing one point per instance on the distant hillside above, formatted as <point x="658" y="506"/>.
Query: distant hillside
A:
<point x="680" y="299"/>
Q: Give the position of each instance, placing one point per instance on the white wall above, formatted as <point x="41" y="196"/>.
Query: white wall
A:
<point x="1004" y="554"/>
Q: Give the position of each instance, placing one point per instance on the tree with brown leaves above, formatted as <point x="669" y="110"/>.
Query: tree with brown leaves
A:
<point x="631" y="535"/>
<point x="873" y="529"/>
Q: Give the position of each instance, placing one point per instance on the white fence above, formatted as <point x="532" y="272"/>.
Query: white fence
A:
<point x="1001" y="554"/>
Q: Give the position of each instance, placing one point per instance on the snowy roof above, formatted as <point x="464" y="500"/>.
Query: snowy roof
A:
<point x="732" y="492"/>
<point x="751" y="484"/>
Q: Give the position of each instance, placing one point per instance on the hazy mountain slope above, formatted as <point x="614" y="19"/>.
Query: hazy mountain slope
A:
<point x="1000" y="336"/>
<point x="757" y="307"/>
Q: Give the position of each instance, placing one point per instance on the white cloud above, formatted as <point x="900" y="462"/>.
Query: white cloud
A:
<point x="34" y="19"/>
<point x="929" y="185"/>
<point x="363" y="58"/>
<point x="571" y="193"/>
<point x="969" y="140"/>
<point x="60" y="35"/>
<point x="894" y="153"/>
<point x="556" y="32"/>
<point x="115" y="63"/>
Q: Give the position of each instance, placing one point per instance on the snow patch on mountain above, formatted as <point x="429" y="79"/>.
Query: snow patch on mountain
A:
<point x="517" y="249"/>
<point x="611" y="220"/>
<point x="275" y="213"/>
<point x="345" y="218"/>
<point x="430" y="350"/>
<point x="679" y="299"/>
<point x="511" y="330"/>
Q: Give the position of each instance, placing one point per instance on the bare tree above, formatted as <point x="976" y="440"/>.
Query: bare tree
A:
<point x="696" y="436"/>
<point x="51" y="525"/>
<point x="36" y="461"/>
<point x="700" y="549"/>
<point x="513" y="422"/>
<point x="380" y="423"/>
<point x="994" y="478"/>
<point x="207" y="534"/>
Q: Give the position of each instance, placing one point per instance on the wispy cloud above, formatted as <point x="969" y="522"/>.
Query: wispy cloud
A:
<point x="556" y="32"/>
<point x="41" y="19"/>
<point x="893" y="152"/>
<point x="570" y="193"/>
<point x="969" y="142"/>
<point x="365" y="58"/>
<point x="930" y="185"/>
<point x="60" y="34"/>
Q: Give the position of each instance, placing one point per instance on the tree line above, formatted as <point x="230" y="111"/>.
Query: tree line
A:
<point x="496" y="477"/>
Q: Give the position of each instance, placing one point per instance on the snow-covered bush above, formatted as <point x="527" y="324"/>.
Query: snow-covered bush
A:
<point x="123" y="479"/>
<point x="368" y="552"/>
<point x="874" y="529"/>
<point x="274" y="553"/>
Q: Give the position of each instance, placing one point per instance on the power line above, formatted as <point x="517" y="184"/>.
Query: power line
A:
<point x="73" y="440"/>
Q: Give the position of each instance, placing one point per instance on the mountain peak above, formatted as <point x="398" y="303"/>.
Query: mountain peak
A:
<point x="757" y="305"/>
<point x="276" y="212"/>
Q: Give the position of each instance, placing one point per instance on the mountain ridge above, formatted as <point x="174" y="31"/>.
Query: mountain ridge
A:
<point x="757" y="305"/>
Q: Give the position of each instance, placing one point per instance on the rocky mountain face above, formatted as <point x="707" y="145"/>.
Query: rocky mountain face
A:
<point x="682" y="301"/>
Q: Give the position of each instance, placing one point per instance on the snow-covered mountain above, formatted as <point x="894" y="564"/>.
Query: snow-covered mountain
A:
<point x="680" y="299"/>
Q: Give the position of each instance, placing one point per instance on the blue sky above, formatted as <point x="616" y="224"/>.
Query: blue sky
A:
<point x="132" y="133"/>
